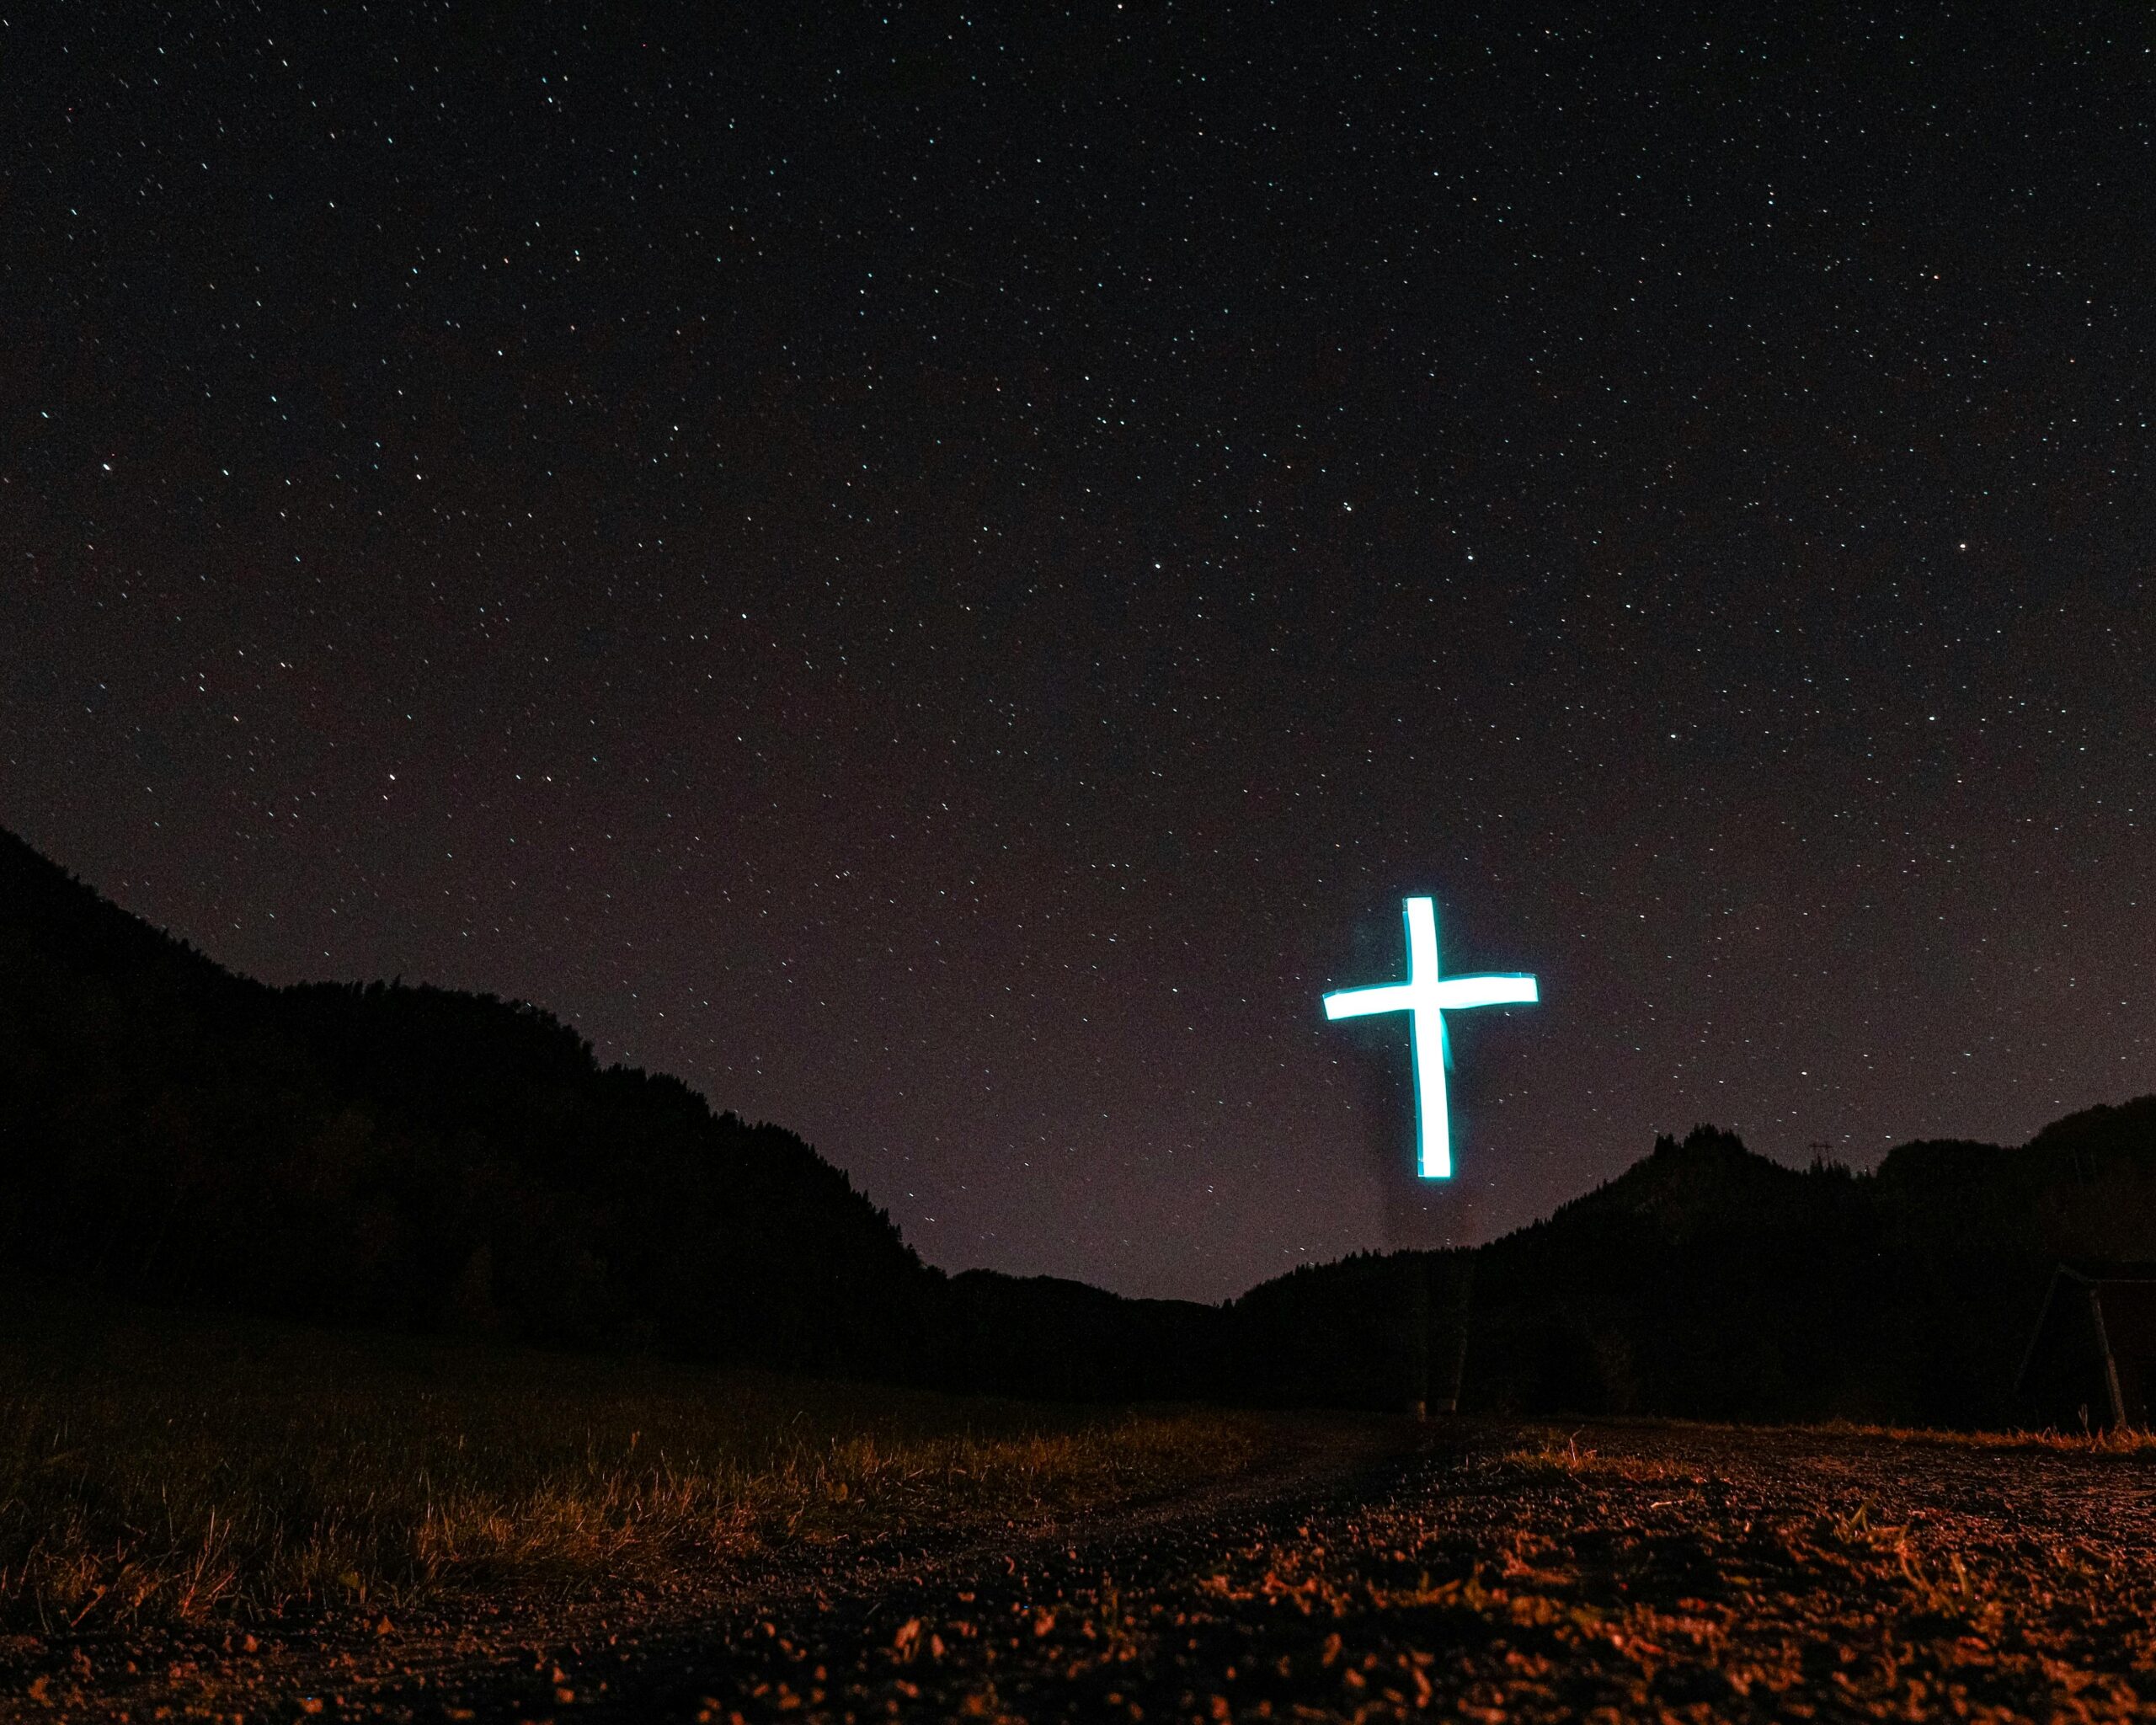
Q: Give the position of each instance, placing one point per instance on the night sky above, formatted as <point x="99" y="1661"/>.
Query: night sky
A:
<point x="940" y="574"/>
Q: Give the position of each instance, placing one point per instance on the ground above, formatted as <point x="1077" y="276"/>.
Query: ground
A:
<point x="1476" y="1569"/>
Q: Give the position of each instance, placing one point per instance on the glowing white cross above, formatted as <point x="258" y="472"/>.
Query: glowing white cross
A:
<point x="1428" y="1000"/>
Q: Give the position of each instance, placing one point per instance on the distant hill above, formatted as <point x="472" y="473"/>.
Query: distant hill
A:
<point x="421" y="1159"/>
<point x="1709" y="1282"/>
<point x="405" y="1156"/>
<point x="417" y="1158"/>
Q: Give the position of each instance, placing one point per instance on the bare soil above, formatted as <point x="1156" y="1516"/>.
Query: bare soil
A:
<point x="1470" y="1569"/>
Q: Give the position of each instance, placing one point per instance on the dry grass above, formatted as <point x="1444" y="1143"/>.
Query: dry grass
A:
<point x="1555" y="1454"/>
<point x="1556" y="1450"/>
<point x="161" y="1467"/>
<point x="1545" y="1454"/>
<point x="2124" y="1440"/>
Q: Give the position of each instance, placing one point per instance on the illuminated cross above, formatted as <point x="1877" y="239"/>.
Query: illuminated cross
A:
<point x="1428" y="1000"/>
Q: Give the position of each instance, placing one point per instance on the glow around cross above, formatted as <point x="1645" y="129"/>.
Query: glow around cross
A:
<point x="1428" y="998"/>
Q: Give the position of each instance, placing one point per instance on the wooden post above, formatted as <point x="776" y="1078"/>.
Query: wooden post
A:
<point x="1415" y="1268"/>
<point x="1449" y="1400"/>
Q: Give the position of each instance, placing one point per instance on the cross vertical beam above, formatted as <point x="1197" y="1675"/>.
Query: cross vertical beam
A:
<point x="1425" y="997"/>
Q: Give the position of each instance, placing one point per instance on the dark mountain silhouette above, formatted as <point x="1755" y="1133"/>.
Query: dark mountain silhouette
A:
<point x="405" y="1156"/>
<point x="1707" y="1281"/>
<point x="417" y="1158"/>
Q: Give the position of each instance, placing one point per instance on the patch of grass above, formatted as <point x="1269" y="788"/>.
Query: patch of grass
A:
<point x="2122" y="1440"/>
<point x="1555" y="1448"/>
<point x="159" y="1467"/>
<point x="1555" y="1454"/>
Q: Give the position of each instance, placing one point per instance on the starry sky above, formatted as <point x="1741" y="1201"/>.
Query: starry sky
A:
<point x="940" y="572"/>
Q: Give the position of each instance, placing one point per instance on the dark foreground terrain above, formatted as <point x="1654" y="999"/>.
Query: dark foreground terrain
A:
<point x="1483" y="1571"/>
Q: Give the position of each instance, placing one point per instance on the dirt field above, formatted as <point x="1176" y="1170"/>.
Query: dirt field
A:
<point x="1483" y="1571"/>
<point x="178" y="1470"/>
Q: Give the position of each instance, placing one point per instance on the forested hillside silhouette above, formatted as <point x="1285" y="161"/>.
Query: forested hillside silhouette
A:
<point x="418" y="1159"/>
<point x="404" y="1156"/>
<point x="1712" y="1283"/>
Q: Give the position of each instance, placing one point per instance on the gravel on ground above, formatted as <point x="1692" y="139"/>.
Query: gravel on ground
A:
<point x="1473" y="1569"/>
